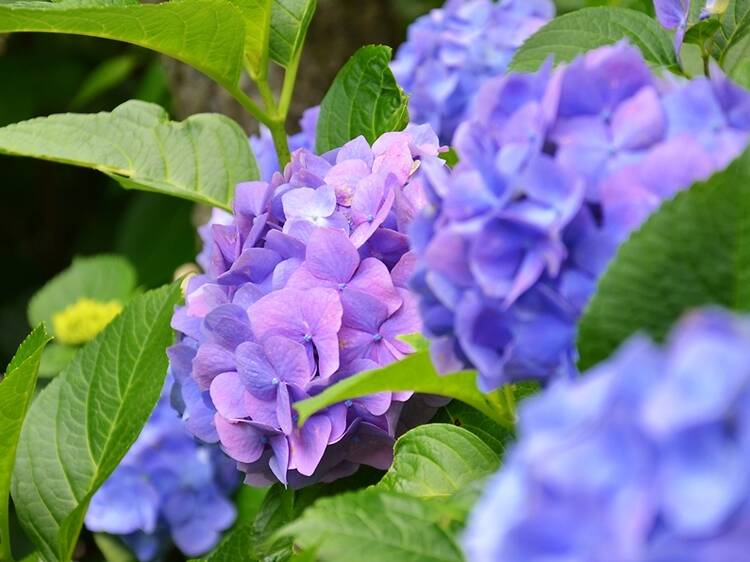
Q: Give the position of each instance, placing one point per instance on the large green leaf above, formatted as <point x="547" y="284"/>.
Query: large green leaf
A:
<point x="290" y="20"/>
<point x="415" y="373"/>
<point x="86" y="419"/>
<point x="735" y="26"/>
<point x="206" y="34"/>
<point x="493" y="434"/>
<point x="236" y="546"/>
<point x="573" y="34"/>
<point x="16" y="391"/>
<point x="201" y="159"/>
<point x="375" y="525"/>
<point x="101" y="278"/>
<point x="436" y="460"/>
<point x="695" y="250"/>
<point x="363" y="100"/>
<point x="257" y="16"/>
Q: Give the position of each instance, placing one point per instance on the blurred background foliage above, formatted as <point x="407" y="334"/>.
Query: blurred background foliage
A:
<point x="52" y="213"/>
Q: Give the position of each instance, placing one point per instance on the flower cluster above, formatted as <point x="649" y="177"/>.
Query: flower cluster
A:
<point x="167" y="487"/>
<point x="305" y="284"/>
<point x="452" y="51"/>
<point x="644" y="459"/>
<point x="556" y="169"/>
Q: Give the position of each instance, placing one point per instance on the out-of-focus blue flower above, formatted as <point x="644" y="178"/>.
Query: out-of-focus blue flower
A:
<point x="452" y="51"/>
<point x="674" y="14"/>
<point x="644" y="459"/>
<point x="556" y="169"/>
<point x="305" y="284"/>
<point x="168" y="489"/>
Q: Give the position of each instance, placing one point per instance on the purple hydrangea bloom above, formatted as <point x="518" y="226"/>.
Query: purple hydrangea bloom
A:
<point x="452" y="51"/>
<point x="168" y="489"/>
<point x="305" y="284"/>
<point x="556" y="169"/>
<point x="674" y="14"/>
<point x="646" y="458"/>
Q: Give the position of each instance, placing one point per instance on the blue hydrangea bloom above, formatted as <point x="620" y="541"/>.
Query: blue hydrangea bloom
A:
<point x="452" y="51"/>
<point x="556" y="169"/>
<point x="644" y="459"/>
<point x="305" y="284"/>
<point x="167" y="490"/>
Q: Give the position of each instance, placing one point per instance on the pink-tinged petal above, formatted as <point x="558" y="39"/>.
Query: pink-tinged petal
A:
<point x="303" y="278"/>
<point x="289" y="360"/>
<point x="338" y="415"/>
<point x="284" y="409"/>
<point x="407" y="320"/>
<point x="211" y="360"/>
<point x="328" y="354"/>
<point x="284" y="245"/>
<point x="356" y="149"/>
<point x="639" y="122"/>
<point x="308" y="444"/>
<point x="410" y="201"/>
<point x="249" y="294"/>
<point x="228" y="395"/>
<point x="355" y="345"/>
<point x="206" y="298"/>
<point x="397" y="159"/>
<point x="344" y="177"/>
<point x="283" y="273"/>
<point x="371" y="205"/>
<point x="377" y="404"/>
<point x="404" y="270"/>
<point x="374" y="279"/>
<point x="331" y="255"/>
<point x="279" y="462"/>
<point x="262" y="411"/>
<point x="309" y="203"/>
<point x="241" y="441"/>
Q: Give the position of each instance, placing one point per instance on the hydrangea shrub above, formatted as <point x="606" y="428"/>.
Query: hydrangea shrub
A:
<point x="556" y="169"/>
<point x="304" y="285"/>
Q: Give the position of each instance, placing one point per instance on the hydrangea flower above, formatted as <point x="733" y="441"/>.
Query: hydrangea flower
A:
<point x="646" y="458"/>
<point x="305" y="284"/>
<point x="556" y="169"/>
<point x="451" y="51"/>
<point x="167" y="489"/>
<point x="674" y="14"/>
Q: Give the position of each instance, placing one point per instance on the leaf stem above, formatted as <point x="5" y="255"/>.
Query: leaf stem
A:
<point x="250" y="106"/>
<point x="280" y="142"/>
<point x="5" y="552"/>
<point x="510" y="402"/>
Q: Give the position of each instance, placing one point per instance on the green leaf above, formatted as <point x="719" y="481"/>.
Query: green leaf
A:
<point x="101" y="278"/>
<point x="372" y="526"/>
<point x="437" y="460"/>
<point x="735" y="26"/>
<point x="54" y="359"/>
<point x="693" y="251"/>
<point x="112" y="548"/>
<point x="572" y="34"/>
<point x="496" y="436"/>
<point x="201" y="159"/>
<point x="290" y="20"/>
<point x="257" y="17"/>
<point x="363" y="100"/>
<point x="414" y="373"/>
<point x="82" y="424"/>
<point x="236" y="546"/>
<point x="103" y="78"/>
<point x="16" y="392"/>
<point x="206" y="34"/>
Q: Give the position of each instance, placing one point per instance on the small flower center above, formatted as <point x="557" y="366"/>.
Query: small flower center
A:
<point x="274" y="381"/>
<point x="348" y="403"/>
<point x="377" y="337"/>
<point x="307" y="338"/>
<point x="342" y="286"/>
<point x="370" y="218"/>
<point x="264" y="440"/>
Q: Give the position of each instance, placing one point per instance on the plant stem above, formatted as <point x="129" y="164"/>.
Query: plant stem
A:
<point x="510" y="402"/>
<point x="5" y="553"/>
<point x="287" y="89"/>
<point x="250" y="106"/>
<point x="280" y="142"/>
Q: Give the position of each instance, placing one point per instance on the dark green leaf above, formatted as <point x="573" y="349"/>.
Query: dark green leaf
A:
<point x="103" y="78"/>
<point x="735" y="26"/>
<point x="201" y="159"/>
<point x="573" y="34"/>
<point x="415" y="373"/>
<point x="16" y="392"/>
<point x="257" y="17"/>
<point x="694" y="251"/>
<point x="236" y="546"/>
<point x="290" y="20"/>
<point x="437" y="460"/>
<point x="101" y="278"/>
<point x="471" y="419"/>
<point x="206" y="34"/>
<point x="86" y="419"/>
<point x="363" y="100"/>
<point x="55" y="358"/>
<point x="112" y="549"/>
